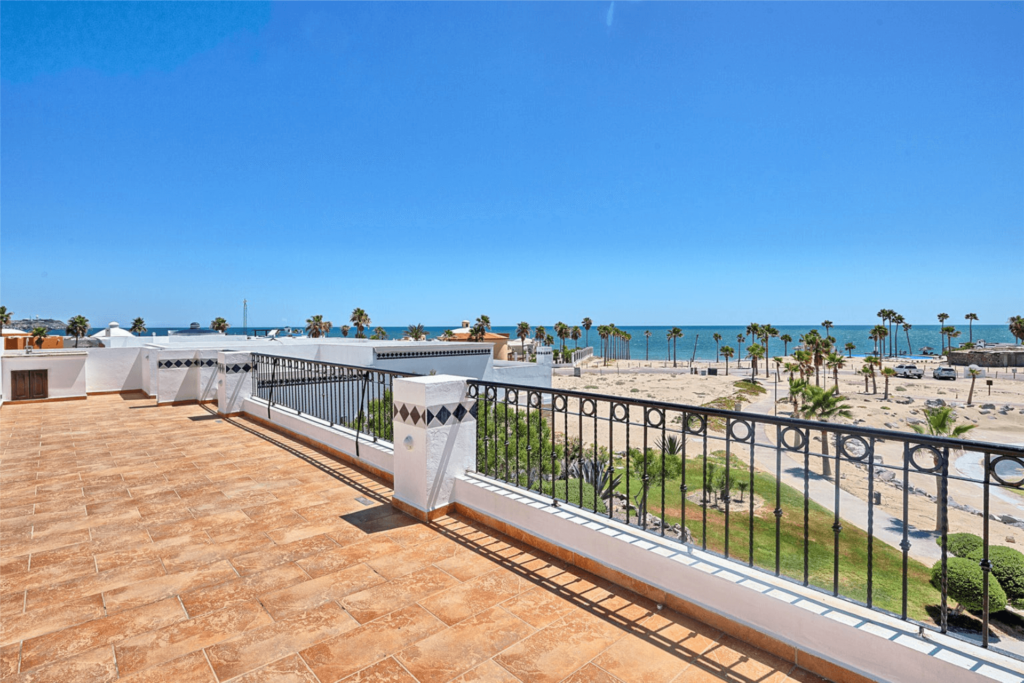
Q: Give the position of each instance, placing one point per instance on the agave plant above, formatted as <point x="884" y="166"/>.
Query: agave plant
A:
<point x="604" y="481"/>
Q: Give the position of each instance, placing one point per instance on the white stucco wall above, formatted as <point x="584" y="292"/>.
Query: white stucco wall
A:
<point x="115" y="369"/>
<point x="66" y="372"/>
<point x="528" y="374"/>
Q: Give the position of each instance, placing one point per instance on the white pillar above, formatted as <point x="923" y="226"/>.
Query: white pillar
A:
<point x="234" y="384"/>
<point x="435" y="442"/>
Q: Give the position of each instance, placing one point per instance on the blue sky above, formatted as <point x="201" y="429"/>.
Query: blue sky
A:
<point x="647" y="163"/>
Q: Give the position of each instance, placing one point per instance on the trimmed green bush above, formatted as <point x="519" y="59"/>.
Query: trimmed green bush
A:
<point x="961" y="545"/>
<point x="964" y="580"/>
<point x="1008" y="567"/>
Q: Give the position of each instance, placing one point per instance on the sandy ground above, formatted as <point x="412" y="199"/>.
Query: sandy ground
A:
<point x="640" y="380"/>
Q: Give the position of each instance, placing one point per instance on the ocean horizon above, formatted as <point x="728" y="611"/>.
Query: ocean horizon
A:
<point x="697" y="341"/>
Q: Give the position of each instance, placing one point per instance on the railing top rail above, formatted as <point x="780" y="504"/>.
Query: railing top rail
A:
<point x="853" y="430"/>
<point x="384" y="371"/>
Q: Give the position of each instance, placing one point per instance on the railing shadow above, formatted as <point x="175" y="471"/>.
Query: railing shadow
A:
<point x="338" y="473"/>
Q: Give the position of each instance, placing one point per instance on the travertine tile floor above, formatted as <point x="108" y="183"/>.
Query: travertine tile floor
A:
<point x="148" y="543"/>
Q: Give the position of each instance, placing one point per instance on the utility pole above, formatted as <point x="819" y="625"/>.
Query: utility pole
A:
<point x="245" y="316"/>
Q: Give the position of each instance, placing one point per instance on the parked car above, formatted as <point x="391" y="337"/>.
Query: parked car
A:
<point x="944" y="372"/>
<point x="909" y="371"/>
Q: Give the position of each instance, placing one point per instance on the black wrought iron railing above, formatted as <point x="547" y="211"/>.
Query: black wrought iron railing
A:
<point x="863" y="514"/>
<point x="358" y="398"/>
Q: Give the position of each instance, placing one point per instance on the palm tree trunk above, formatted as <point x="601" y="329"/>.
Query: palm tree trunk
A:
<point x="836" y="373"/>
<point x="886" y="396"/>
<point x="970" y="394"/>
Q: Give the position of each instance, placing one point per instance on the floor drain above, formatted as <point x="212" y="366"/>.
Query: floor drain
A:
<point x="364" y="500"/>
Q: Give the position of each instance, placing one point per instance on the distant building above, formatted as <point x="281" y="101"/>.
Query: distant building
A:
<point x="500" y="341"/>
<point x="989" y="356"/>
<point x="112" y="330"/>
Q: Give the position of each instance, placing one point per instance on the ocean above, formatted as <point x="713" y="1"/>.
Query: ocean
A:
<point x="920" y="336"/>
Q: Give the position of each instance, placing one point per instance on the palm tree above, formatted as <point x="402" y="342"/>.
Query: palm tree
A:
<point x="345" y="330"/>
<point x="540" y="334"/>
<point x="1016" y="323"/>
<point x="970" y="318"/>
<point x="887" y="373"/>
<point x="943" y="317"/>
<point x="884" y="315"/>
<point x="975" y="372"/>
<point x="447" y="335"/>
<point x="828" y="325"/>
<point x="647" y="353"/>
<point x="523" y="333"/>
<point x="416" y="332"/>
<point x="562" y="331"/>
<point x="484" y="321"/>
<point x="878" y="334"/>
<point x="379" y="333"/>
<point x="587" y="324"/>
<point x="361" y="320"/>
<point x="946" y="331"/>
<point x="953" y="334"/>
<point x="804" y="358"/>
<point x="604" y="332"/>
<point x="138" y="326"/>
<point x="872" y="361"/>
<point x="78" y="327"/>
<point x="835" y="363"/>
<point x="219" y="324"/>
<point x="867" y="371"/>
<point x="740" y="338"/>
<point x="796" y="390"/>
<point x="727" y="354"/>
<point x="675" y="334"/>
<point x="941" y="422"/>
<point x="38" y="335"/>
<point x="767" y="332"/>
<point x="317" y="327"/>
<point x="786" y="339"/>
<point x="756" y="351"/>
<point x="5" y="317"/>
<point x="850" y="346"/>
<point x="575" y="333"/>
<point x="897" y="320"/>
<point x="822" y="405"/>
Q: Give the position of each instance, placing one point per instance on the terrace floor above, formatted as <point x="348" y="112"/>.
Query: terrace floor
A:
<point x="147" y="543"/>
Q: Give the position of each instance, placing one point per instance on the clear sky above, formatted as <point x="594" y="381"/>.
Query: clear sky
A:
<point x="636" y="162"/>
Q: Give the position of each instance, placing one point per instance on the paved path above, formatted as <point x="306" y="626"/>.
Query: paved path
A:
<point x="852" y="509"/>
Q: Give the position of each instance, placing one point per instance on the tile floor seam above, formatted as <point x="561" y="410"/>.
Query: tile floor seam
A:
<point x="213" y="672"/>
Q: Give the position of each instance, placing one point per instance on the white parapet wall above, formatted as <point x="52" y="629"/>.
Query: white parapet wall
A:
<point x="115" y="369"/>
<point x="814" y="629"/>
<point x="379" y="455"/>
<point x="65" y="371"/>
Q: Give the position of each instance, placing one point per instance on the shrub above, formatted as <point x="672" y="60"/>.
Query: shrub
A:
<point x="961" y="545"/>
<point x="1008" y="568"/>
<point x="964" y="582"/>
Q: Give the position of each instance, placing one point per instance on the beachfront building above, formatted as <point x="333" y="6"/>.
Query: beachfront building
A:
<point x="368" y="510"/>
<point x="989" y="356"/>
<point x="497" y="340"/>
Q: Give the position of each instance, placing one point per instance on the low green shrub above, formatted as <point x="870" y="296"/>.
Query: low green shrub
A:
<point x="964" y="582"/>
<point x="961" y="545"/>
<point x="1008" y="568"/>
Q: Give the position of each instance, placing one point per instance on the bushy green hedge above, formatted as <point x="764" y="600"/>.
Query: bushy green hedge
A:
<point x="961" y="545"/>
<point x="964" y="581"/>
<point x="1008" y="568"/>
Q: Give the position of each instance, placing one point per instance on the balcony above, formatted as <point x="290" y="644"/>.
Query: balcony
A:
<point x="266" y="540"/>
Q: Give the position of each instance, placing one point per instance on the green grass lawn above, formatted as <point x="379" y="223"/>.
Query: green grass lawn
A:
<point x="853" y="551"/>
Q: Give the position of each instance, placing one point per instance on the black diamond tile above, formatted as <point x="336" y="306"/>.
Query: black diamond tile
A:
<point x="404" y="412"/>
<point x="459" y="412"/>
<point x="443" y="415"/>
<point x="416" y="415"/>
<point x="473" y="410"/>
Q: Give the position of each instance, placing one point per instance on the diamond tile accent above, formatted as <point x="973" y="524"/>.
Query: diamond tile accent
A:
<point x="443" y="414"/>
<point x="459" y="412"/>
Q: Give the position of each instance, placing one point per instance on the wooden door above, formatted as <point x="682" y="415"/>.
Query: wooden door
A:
<point x="29" y="384"/>
<point x="39" y="384"/>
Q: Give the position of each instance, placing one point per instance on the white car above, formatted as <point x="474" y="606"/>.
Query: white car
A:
<point x="909" y="371"/>
<point x="944" y="372"/>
